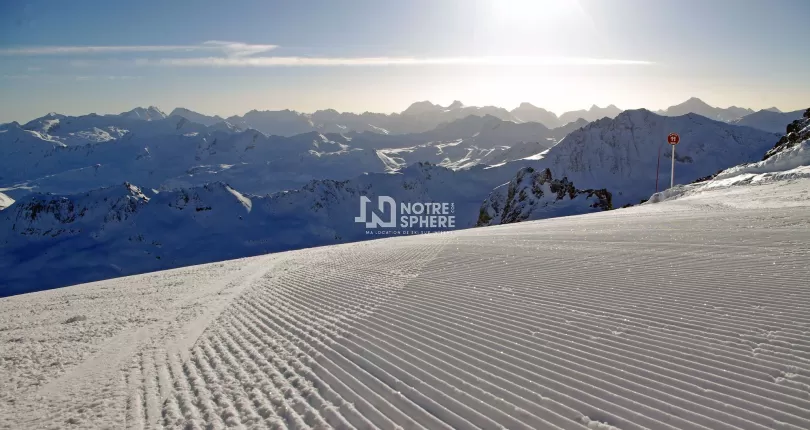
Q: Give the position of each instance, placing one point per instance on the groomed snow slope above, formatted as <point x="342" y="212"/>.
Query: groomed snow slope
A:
<point x="693" y="313"/>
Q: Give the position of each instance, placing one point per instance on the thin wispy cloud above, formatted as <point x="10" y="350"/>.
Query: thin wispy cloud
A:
<point x="386" y="61"/>
<point x="216" y="53"/>
<point x="229" y="49"/>
<point x="108" y="78"/>
<point x="237" y="49"/>
<point x="15" y="77"/>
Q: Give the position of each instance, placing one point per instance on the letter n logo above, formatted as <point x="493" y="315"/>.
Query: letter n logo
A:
<point x="376" y="221"/>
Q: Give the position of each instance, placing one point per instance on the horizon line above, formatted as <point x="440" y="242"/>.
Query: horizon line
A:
<point x="224" y="117"/>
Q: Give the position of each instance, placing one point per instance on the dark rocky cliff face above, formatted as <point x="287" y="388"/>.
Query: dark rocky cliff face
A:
<point x="534" y="194"/>
<point x="798" y="131"/>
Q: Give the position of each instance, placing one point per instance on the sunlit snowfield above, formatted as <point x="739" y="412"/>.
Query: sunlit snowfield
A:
<point x="692" y="313"/>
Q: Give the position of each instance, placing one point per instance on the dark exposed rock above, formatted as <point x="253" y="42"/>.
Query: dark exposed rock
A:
<point x="533" y="193"/>
<point x="707" y="178"/>
<point x="796" y="132"/>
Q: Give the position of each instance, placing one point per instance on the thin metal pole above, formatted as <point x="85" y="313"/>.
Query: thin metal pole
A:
<point x="658" y="167"/>
<point x="672" y="176"/>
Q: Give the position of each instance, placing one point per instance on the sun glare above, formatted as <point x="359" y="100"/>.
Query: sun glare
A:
<point x="519" y="12"/>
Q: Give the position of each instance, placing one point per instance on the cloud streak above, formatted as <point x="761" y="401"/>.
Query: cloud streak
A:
<point x="229" y="49"/>
<point x="217" y="53"/>
<point x="386" y="61"/>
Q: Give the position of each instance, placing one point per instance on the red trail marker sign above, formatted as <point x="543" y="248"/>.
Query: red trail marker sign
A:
<point x="673" y="139"/>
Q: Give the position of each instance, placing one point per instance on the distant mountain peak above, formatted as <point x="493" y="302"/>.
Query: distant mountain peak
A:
<point x="593" y="114"/>
<point x="528" y="112"/>
<point x="694" y="101"/>
<point x="456" y="105"/>
<point x="417" y="108"/>
<point x="610" y="107"/>
<point x="179" y="110"/>
<point x="148" y="114"/>
<point x="489" y="117"/>
<point x="197" y="117"/>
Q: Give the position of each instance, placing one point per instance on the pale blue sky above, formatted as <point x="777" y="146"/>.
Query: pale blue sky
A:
<point x="228" y="57"/>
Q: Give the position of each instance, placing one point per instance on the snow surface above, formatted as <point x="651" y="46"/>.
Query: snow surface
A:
<point x="689" y="314"/>
<point x="783" y="165"/>
<point x="5" y="201"/>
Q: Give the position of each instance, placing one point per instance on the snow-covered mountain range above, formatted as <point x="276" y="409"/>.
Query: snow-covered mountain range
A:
<point x="63" y="154"/>
<point x="424" y="116"/>
<point x="613" y="163"/>
<point x="419" y="117"/>
<point x="174" y="207"/>
<point x="622" y="154"/>
<point x="474" y="140"/>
